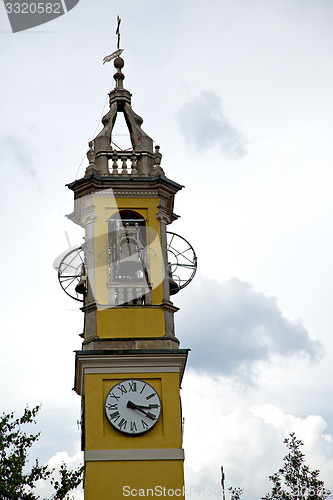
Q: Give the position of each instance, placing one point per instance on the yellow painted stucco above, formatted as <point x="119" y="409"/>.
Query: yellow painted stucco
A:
<point x="130" y="322"/>
<point x="101" y="435"/>
<point x="112" y="480"/>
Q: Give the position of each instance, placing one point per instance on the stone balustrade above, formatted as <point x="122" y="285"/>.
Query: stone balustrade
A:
<point x="132" y="294"/>
<point x="123" y="163"/>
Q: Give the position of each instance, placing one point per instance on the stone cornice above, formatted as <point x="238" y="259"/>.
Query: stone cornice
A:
<point x="95" y="183"/>
<point x="92" y="306"/>
<point x="134" y="339"/>
<point x="128" y="361"/>
<point x="135" y="454"/>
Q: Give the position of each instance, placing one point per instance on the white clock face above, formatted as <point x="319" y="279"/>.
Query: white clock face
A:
<point x="132" y="406"/>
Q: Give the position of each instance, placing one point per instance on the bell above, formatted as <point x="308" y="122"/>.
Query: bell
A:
<point x="130" y="263"/>
<point x="81" y="287"/>
<point x="173" y="286"/>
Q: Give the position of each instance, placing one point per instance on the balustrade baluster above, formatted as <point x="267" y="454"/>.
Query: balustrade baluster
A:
<point x="130" y="295"/>
<point x="134" y="171"/>
<point x="115" y="164"/>
<point x="112" y="296"/>
<point x="121" y="296"/>
<point x="124" y="166"/>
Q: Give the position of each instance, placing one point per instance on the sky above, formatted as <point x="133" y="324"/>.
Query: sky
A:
<point x="238" y="95"/>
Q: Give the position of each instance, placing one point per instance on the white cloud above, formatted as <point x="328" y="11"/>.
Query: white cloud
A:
<point x="204" y="125"/>
<point x="247" y="439"/>
<point x="16" y="151"/>
<point x="231" y="328"/>
<point x="45" y="490"/>
<point x="63" y="457"/>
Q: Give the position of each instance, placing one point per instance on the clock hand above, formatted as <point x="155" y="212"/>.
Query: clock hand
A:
<point x="133" y="406"/>
<point x="147" y="407"/>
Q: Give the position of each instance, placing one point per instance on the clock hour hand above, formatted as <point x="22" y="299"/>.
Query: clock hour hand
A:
<point x="133" y="406"/>
<point x="147" y="407"/>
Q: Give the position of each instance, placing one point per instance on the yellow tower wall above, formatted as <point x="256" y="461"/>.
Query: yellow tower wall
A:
<point x="130" y="479"/>
<point x="101" y="435"/>
<point x="138" y="322"/>
<point x="120" y="465"/>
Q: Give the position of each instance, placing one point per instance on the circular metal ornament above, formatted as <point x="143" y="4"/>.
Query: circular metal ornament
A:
<point x="70" y="272"/>
<point x="181" y="259"/>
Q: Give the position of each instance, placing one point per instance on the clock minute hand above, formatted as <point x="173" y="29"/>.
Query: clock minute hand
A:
<point x="133" y="406"/>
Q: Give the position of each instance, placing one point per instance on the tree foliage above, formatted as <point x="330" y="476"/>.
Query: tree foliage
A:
<point x="18" y="480"/>
<point x="294" y="480"/>
<point x="235" y="493"/>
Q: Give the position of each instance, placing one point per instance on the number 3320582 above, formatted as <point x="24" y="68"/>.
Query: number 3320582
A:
<point x="33" y="8"/>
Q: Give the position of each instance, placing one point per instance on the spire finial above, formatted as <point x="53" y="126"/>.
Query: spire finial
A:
<point x="117" y="52"/>
<point x="118" y="32"/>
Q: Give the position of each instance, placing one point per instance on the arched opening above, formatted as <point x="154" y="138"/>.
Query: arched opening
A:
<point x="128" y="266"/>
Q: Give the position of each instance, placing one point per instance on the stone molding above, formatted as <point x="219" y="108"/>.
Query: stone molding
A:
<point x="89" y="214"/>
<point x="93" y="306"/>
<point x="134" y="454"/>
<point x="161" y="185"/>
<point x="117" y="192"/>
<point x="139" y="194"/>
<point x="122" y="343"/>
<point x="132" y="361"/>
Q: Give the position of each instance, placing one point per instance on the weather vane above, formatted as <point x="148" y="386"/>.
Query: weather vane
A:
<point x="118" y="31"/>
<point x="117" y="52"/>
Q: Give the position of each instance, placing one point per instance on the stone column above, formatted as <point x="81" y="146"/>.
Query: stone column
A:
<point x="89" y="217"/>
<point x="164" y="219"/>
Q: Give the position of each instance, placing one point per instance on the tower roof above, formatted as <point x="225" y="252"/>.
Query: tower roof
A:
<point x="142" y="159"/>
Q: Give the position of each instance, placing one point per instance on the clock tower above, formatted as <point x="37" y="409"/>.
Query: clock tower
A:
<point x="130" y="367"/>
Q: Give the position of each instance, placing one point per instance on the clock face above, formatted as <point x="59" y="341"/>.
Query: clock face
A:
<point x="132" y="406"/>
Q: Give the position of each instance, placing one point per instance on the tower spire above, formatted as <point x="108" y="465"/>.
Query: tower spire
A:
<point x="146" y="160"/>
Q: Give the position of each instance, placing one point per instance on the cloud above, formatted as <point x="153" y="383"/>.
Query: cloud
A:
<point x="16" y="151"/>
<point x="247" y="441"/>
<point x="204" y="126"/>
<point x="44" y="488"/>
<point x="231" y="328"/>
<point x="63" y="457"/>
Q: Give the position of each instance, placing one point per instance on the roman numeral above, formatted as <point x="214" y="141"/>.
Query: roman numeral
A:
<point x="112" y="407"/>
<point x="114" y="396"/>
<point x="144" y="424"/>
<point x="142" y="389"/>
<point x="133" y="427"/>
<point x="132" y="387"/>
<point x="114" y="416"/>
<point x="154" y="406"/>
<point x="151" y="395"/>
<point x="122" y="389"/>
<point x="122" y="423"/>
